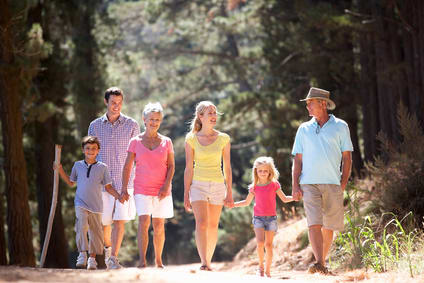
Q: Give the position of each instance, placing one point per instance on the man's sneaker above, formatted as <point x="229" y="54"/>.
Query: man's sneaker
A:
<point x="81" y="260"/>
<point x="318" y="267"/>
<point x="113" y="263"/>
<point x="91" y="263"/>
<point x="108" y="253"/>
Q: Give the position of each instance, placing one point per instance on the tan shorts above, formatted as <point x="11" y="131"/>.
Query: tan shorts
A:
<point x="323" y="205"/>
<point x="212" y="192"/>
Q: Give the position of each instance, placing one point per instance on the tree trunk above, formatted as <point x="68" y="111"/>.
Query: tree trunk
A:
<point x="21" y="251"/>
<point x="57" y="254"/>
<point x="3" y="249"/>
<point x="51" y="84"/>
<point x="368" y="87"/>
<point x="385" y="91"/>
<point x="88" y="85"/>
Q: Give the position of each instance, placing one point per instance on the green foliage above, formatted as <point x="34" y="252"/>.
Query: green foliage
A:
<point x="365" y="244"/>
<point x="398" y="176"/>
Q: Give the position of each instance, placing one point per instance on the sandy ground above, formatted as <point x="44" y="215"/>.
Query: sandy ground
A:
<point x="186" y="274"/>
<point x="289" y="265"/>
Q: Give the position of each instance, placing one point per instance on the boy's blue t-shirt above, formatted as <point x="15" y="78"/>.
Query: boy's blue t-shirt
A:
<point x="90" y="179"/>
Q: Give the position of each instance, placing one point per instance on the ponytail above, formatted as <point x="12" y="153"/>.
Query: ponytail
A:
<point x="196" y="124"/>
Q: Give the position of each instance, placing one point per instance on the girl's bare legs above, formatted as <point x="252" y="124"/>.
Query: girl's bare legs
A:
<point x="200" y="210"/>
<point x="269" y="237"/>
<point x="214" y="213"/>
<point x="260" y="241"/>
<point x="143" y="238"/>
<point x="158" y="239"/>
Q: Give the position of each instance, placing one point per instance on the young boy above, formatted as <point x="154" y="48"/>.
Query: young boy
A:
<point x="90" y="176"/>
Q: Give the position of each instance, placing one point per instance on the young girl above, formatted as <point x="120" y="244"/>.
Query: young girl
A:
<point x="264" y="189"/>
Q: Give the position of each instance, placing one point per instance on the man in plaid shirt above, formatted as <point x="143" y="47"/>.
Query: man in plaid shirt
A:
<point x="114" y="131"/>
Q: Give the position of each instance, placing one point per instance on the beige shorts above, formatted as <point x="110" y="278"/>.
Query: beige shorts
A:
<point x="114" y="210"/>
<point x="212" y="192"/>
<point x="323" y="205"/>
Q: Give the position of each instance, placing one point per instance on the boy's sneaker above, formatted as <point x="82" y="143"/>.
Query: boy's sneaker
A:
<point x="91" y="263"/>
<point x="81" y="260"/>
<point x="108" y="253"/>
<point x="113" y="263"/>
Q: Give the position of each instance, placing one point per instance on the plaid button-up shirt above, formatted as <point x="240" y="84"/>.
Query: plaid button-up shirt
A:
<point x="114" y="139"/>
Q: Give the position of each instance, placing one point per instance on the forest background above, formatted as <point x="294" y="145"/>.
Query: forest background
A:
<point x="254" y="59"/>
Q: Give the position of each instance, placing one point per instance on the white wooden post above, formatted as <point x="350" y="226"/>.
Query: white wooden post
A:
<point x="58" y="149"/>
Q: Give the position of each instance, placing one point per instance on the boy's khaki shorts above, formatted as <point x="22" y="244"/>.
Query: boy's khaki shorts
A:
<point x="211" y="192"/>
<point x="323" y="205"/>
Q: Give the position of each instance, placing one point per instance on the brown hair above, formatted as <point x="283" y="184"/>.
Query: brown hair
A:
<point x="273" y="172"/>
<point x="113" y="91"/>
<point x="196" y="124"/>
<point x="90" y="140"/>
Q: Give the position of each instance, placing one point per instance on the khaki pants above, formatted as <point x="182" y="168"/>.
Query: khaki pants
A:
<point x="92" y="223"/>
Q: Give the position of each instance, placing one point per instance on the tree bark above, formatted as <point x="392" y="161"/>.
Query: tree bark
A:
<point x="3" y="249"/>
<point x="368" y="87"/>
<point x="21" y="251"/>
<point x="51" y="84"/>
<point x="87" y="69"/>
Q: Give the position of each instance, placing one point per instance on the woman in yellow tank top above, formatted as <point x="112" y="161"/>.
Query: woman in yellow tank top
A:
<point x="206" y="188"/>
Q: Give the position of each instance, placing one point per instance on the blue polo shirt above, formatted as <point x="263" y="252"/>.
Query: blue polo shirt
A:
<point x="321" y="150"/>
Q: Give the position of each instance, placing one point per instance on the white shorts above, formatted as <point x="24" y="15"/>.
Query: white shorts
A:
<point x="150" y="205"/>
<point x="114" y="210"/>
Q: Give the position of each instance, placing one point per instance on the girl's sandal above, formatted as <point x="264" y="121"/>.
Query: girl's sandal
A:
<point x="260" y="272"/>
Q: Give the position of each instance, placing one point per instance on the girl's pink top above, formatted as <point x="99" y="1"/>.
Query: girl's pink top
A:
<point x="151" y="165"/>
<point x="265" y="203"/>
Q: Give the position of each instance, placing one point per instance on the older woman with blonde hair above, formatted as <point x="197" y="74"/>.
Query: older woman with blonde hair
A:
<point x="206" y="188"/>
<point x="153" y="154"/>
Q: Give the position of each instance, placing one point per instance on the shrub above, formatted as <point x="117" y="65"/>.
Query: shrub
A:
<point x="398" y="176"/>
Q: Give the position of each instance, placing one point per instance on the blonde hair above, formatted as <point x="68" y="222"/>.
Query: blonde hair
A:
<point x="273" y="172"/>
<point x="201" y="107"/>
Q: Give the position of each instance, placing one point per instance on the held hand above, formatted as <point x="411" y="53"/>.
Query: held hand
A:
<point x="187" y="204"/>
<point x="124" y="195"/>
<point x="297" y="193"/>
<point x="228" y="201"/>
<point x="121" y="199"/>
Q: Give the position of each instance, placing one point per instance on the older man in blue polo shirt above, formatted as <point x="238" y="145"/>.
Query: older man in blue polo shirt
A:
<point x="322" y="146"/>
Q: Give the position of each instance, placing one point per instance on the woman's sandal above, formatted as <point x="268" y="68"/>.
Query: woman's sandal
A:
<point x="205" y="268"/>
<point x="260" y="272"/>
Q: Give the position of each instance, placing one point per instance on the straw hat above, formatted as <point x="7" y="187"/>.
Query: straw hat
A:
<point x="317" y="93"/>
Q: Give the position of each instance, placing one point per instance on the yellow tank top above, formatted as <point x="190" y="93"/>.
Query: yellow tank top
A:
<point x="208" y="159"/>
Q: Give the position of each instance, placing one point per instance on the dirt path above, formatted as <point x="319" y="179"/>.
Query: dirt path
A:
<point x="185" y="274"/>
<point x="289" y="265"/>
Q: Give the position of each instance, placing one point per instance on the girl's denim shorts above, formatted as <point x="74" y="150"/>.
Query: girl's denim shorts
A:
<point x="268" y="223"/>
